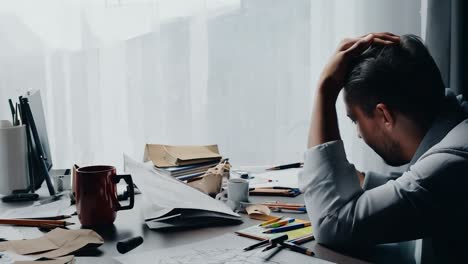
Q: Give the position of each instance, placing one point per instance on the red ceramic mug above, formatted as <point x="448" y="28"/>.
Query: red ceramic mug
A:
<point x="96" y="194"/>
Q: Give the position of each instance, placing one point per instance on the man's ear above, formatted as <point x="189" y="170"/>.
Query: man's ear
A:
<point x="385" y="115"/>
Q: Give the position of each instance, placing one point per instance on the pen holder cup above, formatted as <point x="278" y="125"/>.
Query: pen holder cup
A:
<point x="13" y="158"/>
<point x="237" y="192"/>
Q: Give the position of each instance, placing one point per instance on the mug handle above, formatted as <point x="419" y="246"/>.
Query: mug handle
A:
<point x="131" y="192"/>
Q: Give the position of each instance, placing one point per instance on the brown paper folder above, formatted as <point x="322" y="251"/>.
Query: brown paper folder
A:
<point x="164" y="156"/>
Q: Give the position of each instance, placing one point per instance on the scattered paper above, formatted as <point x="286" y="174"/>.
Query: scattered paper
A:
<point x="284" y="178"/>
<point x="10" y="233"/>
<point x="9" y="257"/>
<point x="163" y="194"/>
<point x="57" y="243"/>
<point x="60" y="207"/>
<point x="169" y="156"/>
<point x="61" y="260"/>
<point x="258" y="212"/>
<point x="223" y="249"/>
<point x="212" y="180"/>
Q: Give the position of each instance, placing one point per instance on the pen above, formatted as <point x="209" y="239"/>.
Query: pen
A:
<point x="16" y="115"/>
<point x="256" y="245"/>
<point x="287" y="166"/>
<point x="286" y="228"/>
<point x="278" y="249"/>
<point x="273" y="242"/>
<point x="280" y="223"/>
<point x="13" y="113"/>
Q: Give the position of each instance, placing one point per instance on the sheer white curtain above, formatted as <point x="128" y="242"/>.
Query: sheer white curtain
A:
<point x="116" y="74"/>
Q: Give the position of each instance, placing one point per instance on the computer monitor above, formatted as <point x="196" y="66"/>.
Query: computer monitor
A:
<point x="37" y="109"/>
<point x="40" y="160"/>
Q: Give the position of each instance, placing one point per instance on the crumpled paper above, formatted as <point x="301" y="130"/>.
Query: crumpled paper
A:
<point x="212" y="181"/>
<point x="54" y="245"/>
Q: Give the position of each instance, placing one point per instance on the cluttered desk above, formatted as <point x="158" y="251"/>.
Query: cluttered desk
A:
<point x="181" y="204"/>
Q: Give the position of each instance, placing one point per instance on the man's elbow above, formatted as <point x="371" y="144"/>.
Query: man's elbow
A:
<point x="330" y="232"/>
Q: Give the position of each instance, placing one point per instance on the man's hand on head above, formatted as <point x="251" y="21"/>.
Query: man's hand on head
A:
<point x="324" y="124"/>
<point x="334" y="73"/>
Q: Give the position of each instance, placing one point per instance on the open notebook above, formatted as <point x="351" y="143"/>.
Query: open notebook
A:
<point x="170" y="203"/>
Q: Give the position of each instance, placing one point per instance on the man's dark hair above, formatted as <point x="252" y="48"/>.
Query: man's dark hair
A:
<point x="403" y="76"/>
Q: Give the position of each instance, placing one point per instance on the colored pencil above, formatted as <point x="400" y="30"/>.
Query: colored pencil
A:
<point x="282" y="204"/>
<point x="280" y="223"/>
<point x="276" y="219"/>
<point x="286" y="228"/>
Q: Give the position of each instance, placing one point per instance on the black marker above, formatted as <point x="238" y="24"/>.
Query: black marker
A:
<point x="126" y="245"/>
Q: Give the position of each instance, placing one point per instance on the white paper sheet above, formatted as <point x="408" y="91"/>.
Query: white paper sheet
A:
<point x="226" y="249"/>
<point x="10" y="233"/>
<point x="164" y="193"/>
<point x="56" y="208"/>
<point x="284" y="178"/>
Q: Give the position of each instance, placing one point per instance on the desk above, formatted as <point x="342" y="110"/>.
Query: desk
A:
<point x="129" y="224"/>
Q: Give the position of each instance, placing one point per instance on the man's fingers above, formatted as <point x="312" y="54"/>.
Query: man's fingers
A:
<point x="360" y="46"/>
<point x="346" y="43"/>
<point x="383" y="38"/>
<point x="383" y="42"/>
<point x="387" y="36"/>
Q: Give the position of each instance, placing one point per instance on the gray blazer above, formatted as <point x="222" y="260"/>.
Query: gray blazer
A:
<point x="428" y="201"/>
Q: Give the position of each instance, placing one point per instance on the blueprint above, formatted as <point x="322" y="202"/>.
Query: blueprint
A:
<point x="226" y="249"/>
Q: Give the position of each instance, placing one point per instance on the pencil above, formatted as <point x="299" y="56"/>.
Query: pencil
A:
<point x="298" y="248"/>
<point x="276" y="219"/>
<point x="280" y="223"/>
<point x="284" y="204"/>
<point x="303" y="239"/>
<point x="286" y="228"/>
<point x="301" y="209"/>
<point x="58" y="217"/>
<point x="35" y="223"/>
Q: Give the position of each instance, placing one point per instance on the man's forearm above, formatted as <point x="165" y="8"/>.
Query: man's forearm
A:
<point x="324" y="123"/>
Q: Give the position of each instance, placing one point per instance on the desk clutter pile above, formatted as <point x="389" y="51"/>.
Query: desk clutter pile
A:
<point x="182" y="162"/>
<point x="182" y="187"/>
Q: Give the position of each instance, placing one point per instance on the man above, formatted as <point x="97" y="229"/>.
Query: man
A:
<point x="394" y="93"/>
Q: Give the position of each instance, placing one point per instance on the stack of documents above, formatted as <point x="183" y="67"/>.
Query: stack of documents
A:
<point x="170" y="203"/>
<point x="182" y="162"/>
